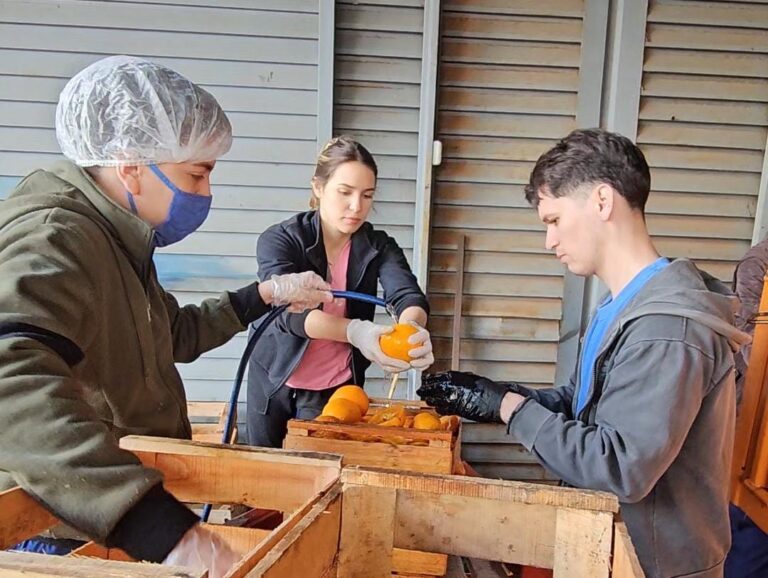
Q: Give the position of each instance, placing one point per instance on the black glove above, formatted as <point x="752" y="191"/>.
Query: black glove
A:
<point x="465" y="394"/>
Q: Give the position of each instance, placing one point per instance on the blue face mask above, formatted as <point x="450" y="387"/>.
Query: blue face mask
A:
<point x="186" y="214"/>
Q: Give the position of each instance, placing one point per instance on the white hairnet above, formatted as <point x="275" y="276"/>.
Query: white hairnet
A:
<point x="128" y="111"/>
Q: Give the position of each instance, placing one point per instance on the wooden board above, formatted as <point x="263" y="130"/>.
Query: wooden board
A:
<point x="23" y="565"/>
<point x="22" y="517"/>
<point x="259" y="477"/>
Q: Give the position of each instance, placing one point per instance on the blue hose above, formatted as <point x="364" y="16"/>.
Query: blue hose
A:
<point x="254" y="337"/>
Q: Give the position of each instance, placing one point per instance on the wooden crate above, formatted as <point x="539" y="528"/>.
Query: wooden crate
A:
<point x="208" y="421"/>
<point x="358" y="527"/>
<point x="195" y="472"/>
<point x="414" y="450"/>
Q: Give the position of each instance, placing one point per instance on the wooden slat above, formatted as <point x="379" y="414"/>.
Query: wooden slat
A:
<point x="249" y="74"/>
<point x="463" y="147"/>
<point x="497" y="262"/>
<point x="497" y="284"/>
<point x="509" y="77"/>
<point x="506" y="101"/>
<point x="704" y="158"/>
<point x="199" y="19"/>
<point x="541" y="373"/>
<point x="499" y="350"/>
<point x="704" y="204"/>
<point x="714" y="135"/>
<point x="689" y="86"/>
<point x="483" y="306"/>
<point x="378" y="44"/>
<point x="367" y="532"/>
<point x="717" y="14"/>
<point x="23" y="565"/>
<point x="376" y="94"/>
<point x="625" y="563"/>
<point x="309" y="547"/>
<point x="562" y="8"/>
<point x="502" y="27"/>
<point x="265" y="478"/>
<point x="22" y="517"/>
<point x="704" y="227"/>
<point x="510" y="52"/>
<point x="701" y="62"/>
<point x="392" y="18"/>
<point x="706" y="37"/>
<point x="169" y="44"/>
<point x="498" y="327"/>
<point x="689" y="110"/>
<point x="583" y="543"/>
<point x="704" y="181"/>
<point x="512" y="125"/>
<point x="375" y="69"/>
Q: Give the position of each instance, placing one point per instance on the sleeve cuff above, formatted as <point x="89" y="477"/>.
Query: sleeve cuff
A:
<point x="415" y="301"/>
<point x="248" y="304"/>
<point x="527" y="421"/>
<point x="151" y="529"/>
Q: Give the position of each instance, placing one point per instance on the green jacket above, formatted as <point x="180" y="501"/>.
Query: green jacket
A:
<point x="88" y="342"/>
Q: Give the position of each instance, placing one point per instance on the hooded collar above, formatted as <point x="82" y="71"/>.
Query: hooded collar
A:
<point x="683" y="290"/>
<point x="133" y="234"/>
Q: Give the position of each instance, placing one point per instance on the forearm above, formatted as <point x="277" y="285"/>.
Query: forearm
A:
<point x="414" y="314"/>
<point x="321" y="325"/>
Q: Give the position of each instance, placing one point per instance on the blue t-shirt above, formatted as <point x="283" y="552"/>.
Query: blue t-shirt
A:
<point x="606" y="313"/>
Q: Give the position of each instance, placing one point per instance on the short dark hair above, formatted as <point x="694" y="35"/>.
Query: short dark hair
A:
<point x="335" y="153"/>
<point x="589" y="156"/>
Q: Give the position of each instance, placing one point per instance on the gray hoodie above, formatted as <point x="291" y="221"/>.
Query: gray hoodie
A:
<point x="658" y="426"/>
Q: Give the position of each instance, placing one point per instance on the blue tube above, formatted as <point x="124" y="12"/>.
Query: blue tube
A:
<point x="360" y="297"/>
<point x="254" y="337"/>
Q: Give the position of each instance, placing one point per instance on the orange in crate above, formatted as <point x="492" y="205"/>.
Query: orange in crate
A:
<point x="343" y="410"/>
<point x="395" y="344"/>
<point x="353" y="393"/>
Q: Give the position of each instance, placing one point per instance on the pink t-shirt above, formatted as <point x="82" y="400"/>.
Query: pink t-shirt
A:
<point x="326" y="363"/>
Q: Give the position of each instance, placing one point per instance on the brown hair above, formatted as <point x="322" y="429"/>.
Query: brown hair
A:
<point x="335" y="153"/>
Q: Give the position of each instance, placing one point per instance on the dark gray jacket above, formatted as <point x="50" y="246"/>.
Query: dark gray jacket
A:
<point x="658" y="426"/>
<point x="296" y="245"/>
<point x="748" y="286"/>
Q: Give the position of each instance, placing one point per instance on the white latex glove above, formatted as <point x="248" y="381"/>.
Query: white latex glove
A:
<point x="365" y="336"/>
<point x="201" y="549"/>
<point x="303" y="291"/>
<point x="421" y="356"/>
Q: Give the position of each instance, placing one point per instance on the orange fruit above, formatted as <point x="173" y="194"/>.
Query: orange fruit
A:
<point x="343" y="410"/>
<point x="450" y="422"/>
<point x="353" y="393"/>
<point x="426" y="420"/>
<point x="388" y="413"/>
<point x="395" y="344"/>
<point x="327" y="419"/>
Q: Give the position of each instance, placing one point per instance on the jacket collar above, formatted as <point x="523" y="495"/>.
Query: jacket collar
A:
<point x="133" y="234"/>
<point x="361" y="252"/>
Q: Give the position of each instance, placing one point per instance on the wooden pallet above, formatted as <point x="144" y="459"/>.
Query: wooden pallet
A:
<point x="358" y="526"/>
<point x="376" y="446"/>
<point x="195" y="472"/>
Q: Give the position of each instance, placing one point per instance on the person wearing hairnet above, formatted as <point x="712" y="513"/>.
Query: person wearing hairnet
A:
<point x="88" y="337"/>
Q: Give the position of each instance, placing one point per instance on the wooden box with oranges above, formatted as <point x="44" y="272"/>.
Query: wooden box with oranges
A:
<point x="402" y="435"/>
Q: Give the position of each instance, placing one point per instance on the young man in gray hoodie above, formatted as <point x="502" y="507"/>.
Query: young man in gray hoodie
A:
<point x="649" y="411"/>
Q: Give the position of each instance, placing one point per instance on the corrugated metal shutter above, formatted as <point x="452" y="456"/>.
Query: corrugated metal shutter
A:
<point x="703" y="125"/>
<point x="258" y="59"/>
<point x="376" y="100"/>
<point x="508" y="83"/>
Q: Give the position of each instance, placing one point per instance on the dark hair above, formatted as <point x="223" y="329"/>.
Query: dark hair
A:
<point x="335" y="153"/>
<point x="590" y="156"/>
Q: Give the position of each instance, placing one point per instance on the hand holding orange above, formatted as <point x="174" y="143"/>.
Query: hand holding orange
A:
<point x="396" y="344"/>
